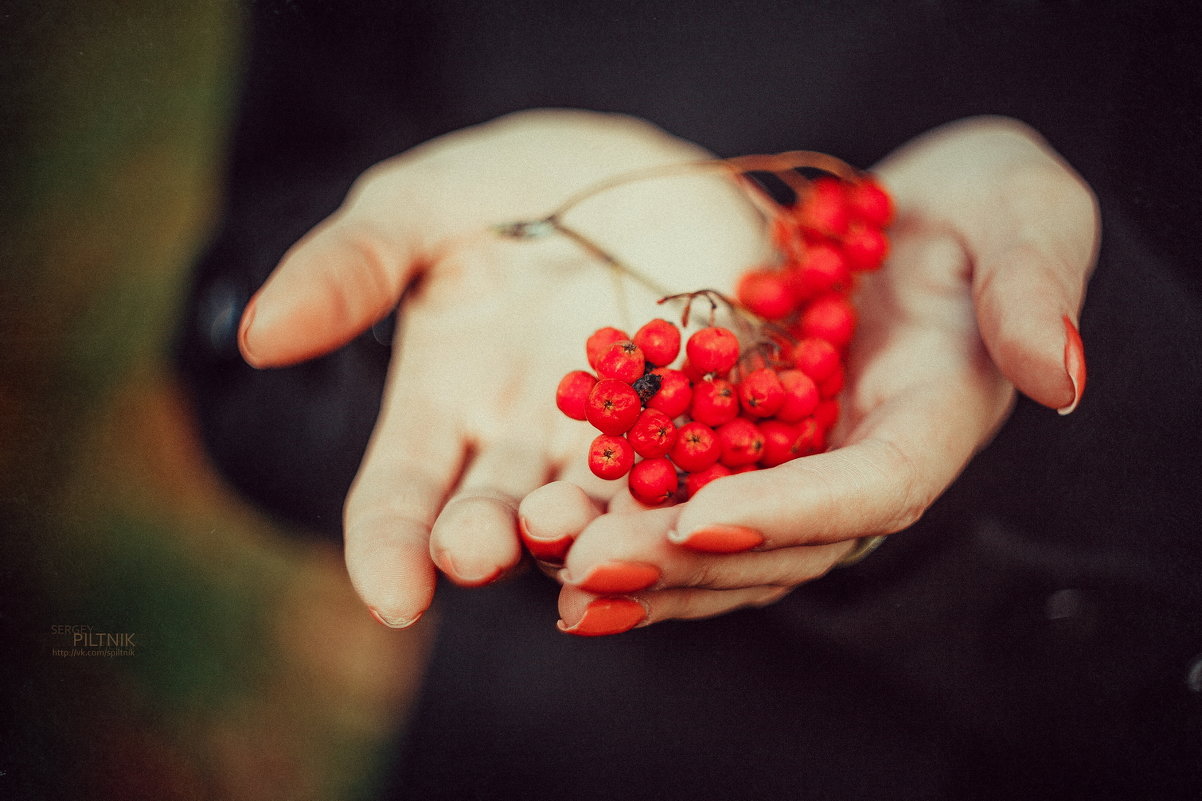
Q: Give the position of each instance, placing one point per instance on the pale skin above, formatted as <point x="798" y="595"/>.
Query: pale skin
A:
<point x="992" y="249"/>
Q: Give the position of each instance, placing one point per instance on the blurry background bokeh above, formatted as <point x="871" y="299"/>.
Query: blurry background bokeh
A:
<point x="250" y="670"/>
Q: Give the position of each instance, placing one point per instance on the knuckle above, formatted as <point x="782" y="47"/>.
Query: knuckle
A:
<point x="912" y="498"/>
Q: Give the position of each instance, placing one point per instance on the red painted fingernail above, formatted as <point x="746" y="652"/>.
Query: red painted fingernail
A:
<point x="607" y="616"/>
<point x="551" y="551"/>
<point x="399" y="623"/>
<point x="719" y="539"/>
<point x="616" y="578"/>
<point x="1074" y="363"/>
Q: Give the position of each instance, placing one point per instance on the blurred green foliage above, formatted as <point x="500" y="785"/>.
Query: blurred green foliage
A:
<point x="113" y="117"/>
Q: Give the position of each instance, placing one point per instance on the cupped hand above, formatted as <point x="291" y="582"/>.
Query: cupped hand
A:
<point x="468" y="424"/>
<point x="994" y="241"/>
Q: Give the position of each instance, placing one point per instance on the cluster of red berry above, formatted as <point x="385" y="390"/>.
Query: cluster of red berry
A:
<point x="730" y="408"/>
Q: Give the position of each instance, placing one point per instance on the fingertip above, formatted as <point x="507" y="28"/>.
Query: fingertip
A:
<point x="1028" y="330"/>
<point x="391" y="573"/>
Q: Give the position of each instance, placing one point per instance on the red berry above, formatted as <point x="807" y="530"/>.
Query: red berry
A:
<point x="713" y="349"/>
<point x="659" y="341"/>
<point x="827" y="413"/>
<point x="811" y="436"/>
<point x="599" y="341"/>
<point x="765" y="292"/>
<point x="696" y="447"/>
<point x="696" y="481"/>
<point x="780" y="442"/>
<point x="613" y="406"/>
<point x="865" y="247"/>
<point x="830" y="317"/>
<point x="623" y="360"/>
<point x="832" y="385"/>
<point x="572" y="393"/>
<point x="870" y="203"/>
<point x="801" y="395"/>
<point x="653" y="434"/>
<point x="761" y="393"/>
<point x="692" y="372"/>
<point x="822" y="268"/>
<point x="815" y="357"/>
<point x="714" y="402"/>
<point x="675" y="392"/>
<point x="741" y="441"/>
<point x="653" y="481"/>
<point x="824" y="210"/>
<point x="610" y="457"/>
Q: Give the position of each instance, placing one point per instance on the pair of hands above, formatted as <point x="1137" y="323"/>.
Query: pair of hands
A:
<point x="992" y="247"/>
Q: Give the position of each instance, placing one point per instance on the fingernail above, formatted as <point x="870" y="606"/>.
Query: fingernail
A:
<point x="397" y="623"/>
<point x="1074" y="363"/>
<point x="607" y="616"/>
<point x="552" y="551"/>
<point x="617" y="578"/>
<point x="248" y="319"/>
<point x="719" y="539"/>
<point x="462" y="576"/>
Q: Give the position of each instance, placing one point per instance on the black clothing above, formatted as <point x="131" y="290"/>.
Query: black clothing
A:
<point x="1037" y="635"/>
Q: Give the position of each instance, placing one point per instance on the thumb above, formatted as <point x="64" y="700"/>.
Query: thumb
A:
<point x="1030" y="226"/>
<point x="1027" y="303"/>
<point x="339" y="279"/>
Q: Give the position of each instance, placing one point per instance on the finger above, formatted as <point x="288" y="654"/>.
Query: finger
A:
<point x="588" y="615"/>
<point x="475" y="538"/>
<point x="900" y="458"/>
<point x="409" y="468"/>
<point x="1032" y="227"/>
<point x="339" y="279"/>
<point x="552" y="516"/>
<point x="627" y="553"/>
<point x="1027" y="303"/>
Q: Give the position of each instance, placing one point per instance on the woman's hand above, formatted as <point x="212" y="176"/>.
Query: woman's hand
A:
<point x="993" y="244"/>
<point x="468" y="424"/>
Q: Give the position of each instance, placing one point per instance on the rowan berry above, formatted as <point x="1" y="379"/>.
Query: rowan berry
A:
<point x="696" y="447"/>
<point x="830" y="317"/>
<point x="761" y="393"/>
<point x="613" y="406"/>
<point x="610" y="456"/>
<point x="599" y="341"/>
<point x="779" y="440"/>
<point x="572" y="393"/>
<point x="824" y="210"/>
<point x="675" y="392"/>
<point x="811" y="437"/>
<point x="741" y="441"/>
<point x="766" y="292"/>
<point x="869" y="202"/>
<point x="653" y="481"/>
<point x="826" y="413"/>
<point x="823" y="268"/>
<point x="622" y="360"/>
<point x="801" y="396"/>
<point x="692" y="372"/>
<point x="695" y="481"/>
<point x="865" y="247"/>
<point x="714" y="402"/>
<point x="832" y="385"/>
<point x="653" y="434"/>
<point x="815" y="357"/>
<point x="659" y="341"/>
<point x="713" y="350"/>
